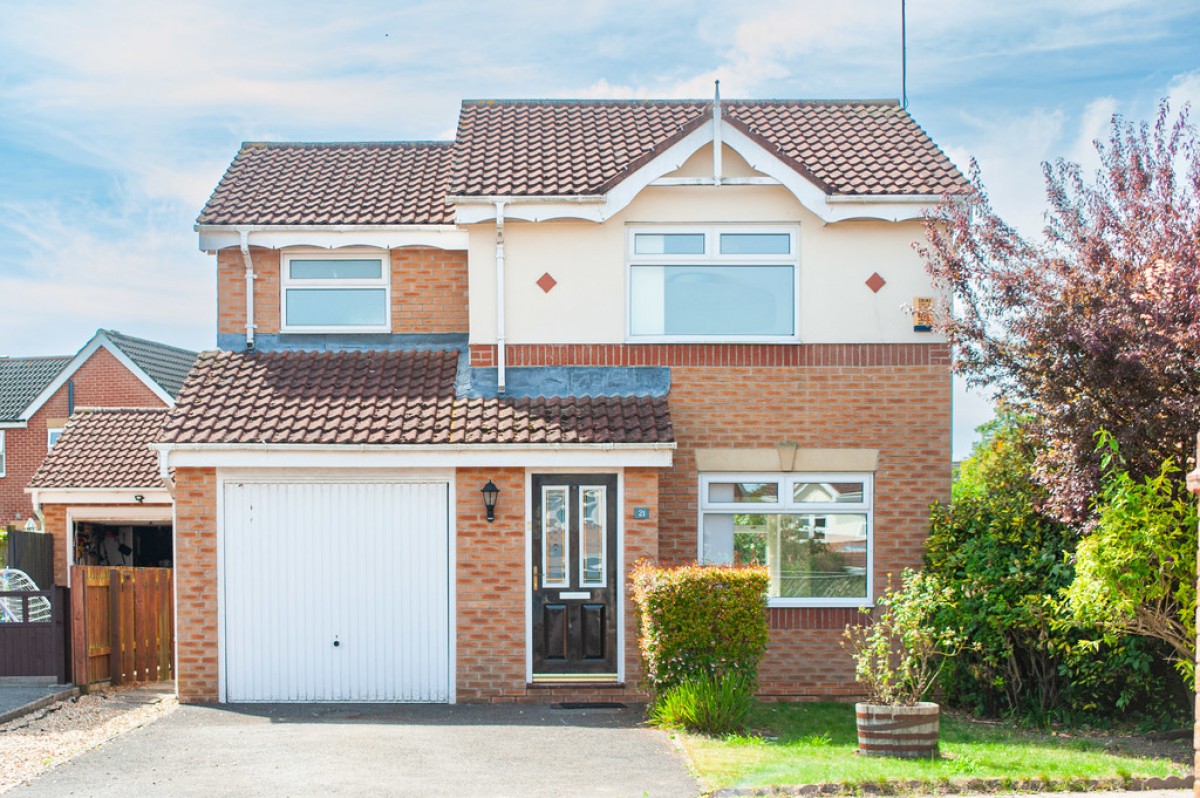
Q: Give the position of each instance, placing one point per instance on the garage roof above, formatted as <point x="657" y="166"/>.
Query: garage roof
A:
<point x="386" y="398"/>
<point x="104" y="448"/>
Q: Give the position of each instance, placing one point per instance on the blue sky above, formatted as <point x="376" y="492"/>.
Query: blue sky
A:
<point x="117" y="117"/>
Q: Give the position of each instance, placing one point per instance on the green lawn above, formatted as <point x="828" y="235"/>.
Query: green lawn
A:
<point x="816" y="743"/>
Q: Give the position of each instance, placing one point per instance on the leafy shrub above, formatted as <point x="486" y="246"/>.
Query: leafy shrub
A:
<point x="700" y="621"/>
<point x="1008" y="564"/>
<point x="899" y="655"/>
<point x="1135" y="572"/>
<point x="715" y="705"/>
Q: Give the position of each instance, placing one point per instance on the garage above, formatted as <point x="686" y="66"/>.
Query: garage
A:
<point x="335" y="591"/>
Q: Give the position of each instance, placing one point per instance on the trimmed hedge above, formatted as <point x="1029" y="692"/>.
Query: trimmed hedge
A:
<point x="700" y="621"/>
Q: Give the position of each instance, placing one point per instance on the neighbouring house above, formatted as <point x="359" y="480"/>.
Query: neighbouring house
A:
<point x="678" y="330"/>
<point x="100" y="492"/>
<point x="39" y="394"/>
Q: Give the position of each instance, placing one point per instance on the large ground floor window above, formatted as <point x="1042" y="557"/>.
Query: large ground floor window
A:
<point x="811" y="531"/>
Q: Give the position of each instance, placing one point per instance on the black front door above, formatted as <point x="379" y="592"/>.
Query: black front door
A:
<point x="574" y="575"/>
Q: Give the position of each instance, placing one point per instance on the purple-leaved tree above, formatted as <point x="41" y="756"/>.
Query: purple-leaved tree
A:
<point x="1096" y="325"/>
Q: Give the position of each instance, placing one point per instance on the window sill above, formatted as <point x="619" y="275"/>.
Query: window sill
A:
<point x="712" y="339"/>
<point x="852" y="603"/>
<point x="334" y="330"/>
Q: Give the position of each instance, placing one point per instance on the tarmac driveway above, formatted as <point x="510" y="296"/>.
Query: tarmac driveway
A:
<point x="372" y="749"/>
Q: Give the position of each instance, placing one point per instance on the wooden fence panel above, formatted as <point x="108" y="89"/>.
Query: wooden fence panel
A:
<point x="124" y="625"/>
<point x="33" y="553"/>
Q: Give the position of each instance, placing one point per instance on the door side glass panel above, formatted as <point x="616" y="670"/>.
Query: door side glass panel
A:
<point x="555" y="542"/>
<point x="592" y="536"/>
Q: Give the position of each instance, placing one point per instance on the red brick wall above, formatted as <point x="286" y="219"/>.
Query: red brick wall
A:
<point x="491" y="626"/>
<point x="102" y="381"/>
<point x="54" y="517"/>
<point x="490" y="591"/>
<point x="429" y="291"/>
<point x="196" y="584"/>
<point x="890" y="397"/>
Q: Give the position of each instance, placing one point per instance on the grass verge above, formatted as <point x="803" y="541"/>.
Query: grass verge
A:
<point x="816" y="744"/>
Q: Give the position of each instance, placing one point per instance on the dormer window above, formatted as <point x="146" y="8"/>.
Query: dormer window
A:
<point x="335" y="293"/>
<point x="726" y="283"/>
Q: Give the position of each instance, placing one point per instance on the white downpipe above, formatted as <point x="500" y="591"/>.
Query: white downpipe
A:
<point x="717" y="145"/>
<point x="500" y="354"/>
<point x="249" y="263"/>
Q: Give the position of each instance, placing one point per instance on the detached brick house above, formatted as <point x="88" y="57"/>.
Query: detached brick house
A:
<point x="39" y="394"/>
<point x="670" y="329"/>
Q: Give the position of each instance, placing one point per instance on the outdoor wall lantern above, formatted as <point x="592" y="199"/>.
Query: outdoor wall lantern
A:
<point x="490" y="494"/>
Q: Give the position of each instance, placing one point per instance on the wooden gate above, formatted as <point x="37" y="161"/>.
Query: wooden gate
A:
<point x="30" y="645"/>
<point x="122" y="625"/>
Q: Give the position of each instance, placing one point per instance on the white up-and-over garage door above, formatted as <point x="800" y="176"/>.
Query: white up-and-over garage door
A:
<point x="335" y="591"/>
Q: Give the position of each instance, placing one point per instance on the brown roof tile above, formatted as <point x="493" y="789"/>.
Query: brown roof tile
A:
<point x="850" y="147"/>
<point x="562" y="147"/>
<point x="338" y="183"/>
<point x="104" y="448"/>
<point x="567" y="147"/>
<point x="385" y="397"/>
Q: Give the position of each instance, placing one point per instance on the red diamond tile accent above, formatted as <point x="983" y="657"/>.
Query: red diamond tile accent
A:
<point x="546" y="282"/>
<point x="875" y="282"/>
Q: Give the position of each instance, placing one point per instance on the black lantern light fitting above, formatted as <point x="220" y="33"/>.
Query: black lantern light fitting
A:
<point x="490" y="494"/>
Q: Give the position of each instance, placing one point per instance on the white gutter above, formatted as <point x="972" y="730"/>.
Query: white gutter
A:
<point x="164" y="449"/>
<point x="500" y="353"/>
<point x="339" y="228"/>
<point x="879" y="199"/>
<point x="244" y="232"/>
<point x="717" y="145"/>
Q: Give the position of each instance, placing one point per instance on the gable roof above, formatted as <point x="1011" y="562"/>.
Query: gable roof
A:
<point x="28" y="383"/>
<point x="166" y="365"/>
<point x="370" y="183"/>
<point x="23" y="378"/>
<point x="563" y="148"/>
<point x="573" y="147"/>
<point x="385" y="398"/>
<point x="104" y="448"/>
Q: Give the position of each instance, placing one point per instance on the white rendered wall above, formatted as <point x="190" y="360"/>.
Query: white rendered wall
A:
<point x="588" y="263"/>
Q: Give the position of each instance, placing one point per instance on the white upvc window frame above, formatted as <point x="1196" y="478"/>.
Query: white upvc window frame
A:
<point x="786" y="481"/>
<point x="51" y="437"/>
<point x="384" y="281"/>
<point x="3" y="454"/>
<point x="712" y="257"/>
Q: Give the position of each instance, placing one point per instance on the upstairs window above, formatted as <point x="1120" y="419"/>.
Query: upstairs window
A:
<point x="712" y="283"/>
<point x="52" y="434"/>
<point x="335" y="293"/>
<point x="2" y="453"/>
<point x="813" y="532"/>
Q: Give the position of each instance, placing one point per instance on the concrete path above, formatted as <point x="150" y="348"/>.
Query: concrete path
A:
<point x="21" y="696"/>
<point x="505" y="750"/>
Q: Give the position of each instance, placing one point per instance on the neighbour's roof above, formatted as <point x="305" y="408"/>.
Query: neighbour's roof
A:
<point x="284" y="183"/>
<point x="385" y="397"/>
<point x="166" y="365"/>
<point x="104" y="448"/>
<point x="22" y="379"/>
<point x="567" y="148"/>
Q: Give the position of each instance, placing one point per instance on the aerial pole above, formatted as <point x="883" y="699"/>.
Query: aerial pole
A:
<point x="903" y="55"/>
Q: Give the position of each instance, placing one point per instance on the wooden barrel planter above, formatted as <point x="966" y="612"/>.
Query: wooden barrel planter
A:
<point x="896" y="730"/>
